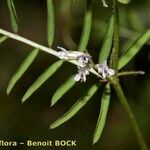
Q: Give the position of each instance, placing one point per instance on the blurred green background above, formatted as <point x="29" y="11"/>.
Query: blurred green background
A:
<point x="31" y="120"/>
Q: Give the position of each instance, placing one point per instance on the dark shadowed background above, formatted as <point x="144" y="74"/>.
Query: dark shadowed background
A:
<point x="31" y="120"/>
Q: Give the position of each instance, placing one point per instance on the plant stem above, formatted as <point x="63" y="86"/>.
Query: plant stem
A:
<point x="127" y="73"/>
<point x="131" y="117"/>
<point x="28" y="42"/>
<point x="115" y="49"/>
<point x="42" y="48"/>
<point x="115" y="81"/>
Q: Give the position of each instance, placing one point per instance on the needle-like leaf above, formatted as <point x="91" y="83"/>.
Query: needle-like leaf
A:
<point x="22" y="69"/>
<point x="13" y="15"/>
<point x="75" y="108"/>
<point x="64" y="88"/>
<point x="107" y="43"/>
<point x="69" y="83"/>
<point x="3" y="38"/>
<point x="86" y="29"/>
<point x="134" y="49"/>
<point x="124" y="1"/>
<point x="50" y="22"/>
<point x="42" y="78"/>
<point x="103" y="114"/>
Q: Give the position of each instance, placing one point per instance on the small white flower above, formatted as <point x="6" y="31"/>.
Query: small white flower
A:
<point x="83" y="58"/>
<point x="104" y="70"/>
<point x="82" y="73"/>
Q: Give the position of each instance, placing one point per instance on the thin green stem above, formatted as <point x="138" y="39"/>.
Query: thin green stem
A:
<point x="28" y="42"/>
<point x="115" y="50"/>
<point x="115" y="81"/>
<point x="131" y="117"/>
<point x="126" y="73"/>
<point x="42" y="48"/>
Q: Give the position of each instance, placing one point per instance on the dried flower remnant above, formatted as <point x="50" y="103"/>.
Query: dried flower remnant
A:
<point x="63" y="54"/>
<point x="104" y="70"/>
<point x="81" y="75"/>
